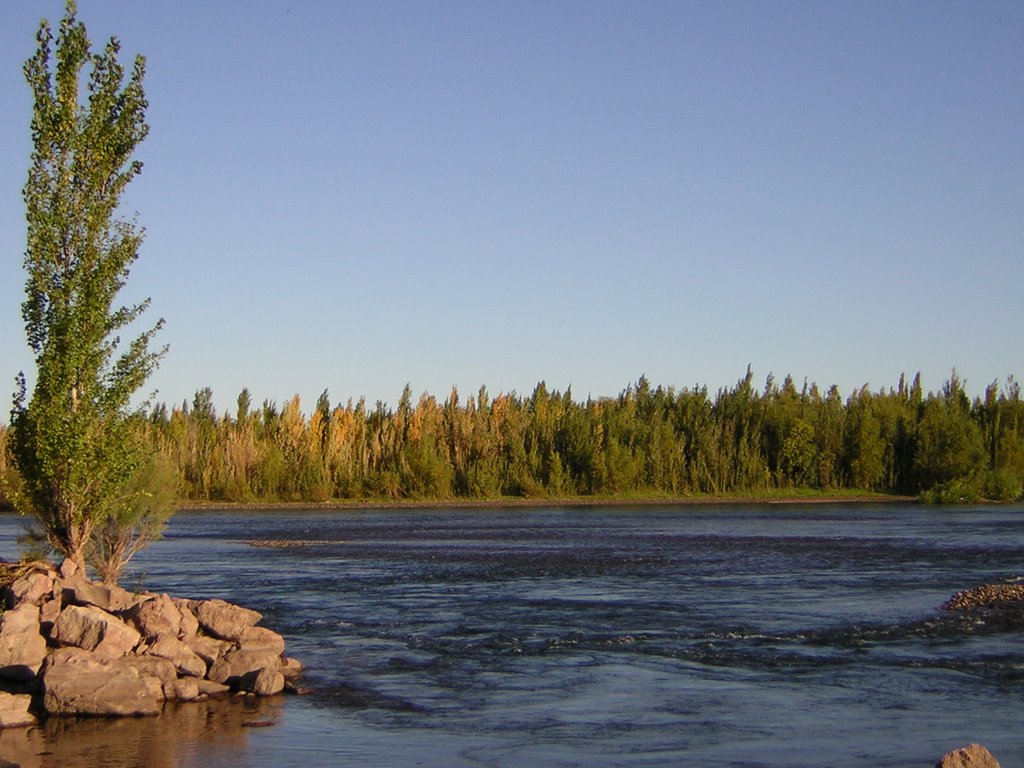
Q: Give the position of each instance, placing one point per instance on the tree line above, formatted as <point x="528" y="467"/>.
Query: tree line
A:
<point x="660" y="441"/>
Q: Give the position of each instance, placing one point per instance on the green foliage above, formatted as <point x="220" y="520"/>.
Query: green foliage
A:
<point x="655" y="442"/>
<point x="138" y="518"/>
<point x="1002" y="485"/>
<point x="71" y="441"/>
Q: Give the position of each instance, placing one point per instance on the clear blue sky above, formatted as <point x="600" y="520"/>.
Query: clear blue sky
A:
<point x="353" y="196"/>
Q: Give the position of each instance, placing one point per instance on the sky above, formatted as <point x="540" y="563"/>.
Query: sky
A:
<point x="353" y="196"/>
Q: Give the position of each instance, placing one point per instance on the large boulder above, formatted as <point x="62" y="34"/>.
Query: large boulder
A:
<point x="262" y="682"/>
<point x="189" y="623"/>
<point x="80" y="591"/>
<point x="78" y="682"/>
<point x="155" y="617"/>
<point x="182" y="689"/>
<point x="14" y="710"/>
<point x="261" y="639"/>
<point x="22" y="645"/>
<point x="230" y="668"/>
<point x="209" y="649"/>
<point x="971" y="756"/>
<point x="34" y="587"/>
<point x="222" y="619"/>
<point x="94" y="630"/>
<point x="186" y="661"/>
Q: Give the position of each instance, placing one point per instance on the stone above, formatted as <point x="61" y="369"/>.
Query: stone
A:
<point x="155" y="617"/>
<point x="262" y="682"/>
<point x="209" y="649"/>
<point x="223" y="619"/>
<point x="986" y="596"/>
<point x="95" y="630"/>
<point x="189" y="623"/>
<point x="14" y="710"/>
<point x="234" y="665"/>
<point x="34" y="588"/>
<point x="210" y="688"/>
<point x="182" y="689"/>
<point x="186" y="661"/>
<point x="80" y="591"/>
<point x="68" y="569"/>
<point x="971" y="756"/>
<point x="261" y="639"/>
<point x="291" y="668"/>
<point x="22" y="645"/>
<point x="153" y="666"/>
<point x="49" y="611"/>
<point x="79" y="682"/>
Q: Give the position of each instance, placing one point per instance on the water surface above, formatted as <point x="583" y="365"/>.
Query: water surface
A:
<point x="725" y="636"/>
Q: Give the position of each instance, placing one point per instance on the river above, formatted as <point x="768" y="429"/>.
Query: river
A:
<point x="781" y="636"/>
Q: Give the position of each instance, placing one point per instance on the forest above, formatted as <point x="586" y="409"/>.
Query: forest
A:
<point x="648" y="441"/>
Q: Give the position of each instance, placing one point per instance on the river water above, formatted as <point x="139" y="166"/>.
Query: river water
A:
<point x="780" y="635"/>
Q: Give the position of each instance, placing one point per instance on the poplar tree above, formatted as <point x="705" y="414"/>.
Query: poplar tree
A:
<point x="72" y="441"/>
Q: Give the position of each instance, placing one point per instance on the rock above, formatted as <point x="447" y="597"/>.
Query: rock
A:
<point x="79" y="591"/>
<point x="189" y="623"/>
<point x="182" y="689"/>
<point x="95" y="630"/>
<point x="174" y="650"/>
<point x="209" y="649"/>
<point x="153" y="666"/>
<point x="14" y="710"/>
<point x="262" y="682"/>
<point x="223" y="619"/>
<point x="291" y="668"/>
<point x="49" y="611"/>
<point x="68" y="569"/>
<point x="22" y="645"/>
<point x="210" y="688"/>
<point x="234" y="665"/>
<point x="34" y="588"/>
<point x="987" y="596"/>
<point x="261" y="639"/>
<point x="155" y="617"/>
<point x="971" y="756"/>
<point x="78" y="682"/>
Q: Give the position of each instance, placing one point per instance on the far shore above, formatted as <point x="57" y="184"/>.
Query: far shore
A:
<point x="511" y="502"/>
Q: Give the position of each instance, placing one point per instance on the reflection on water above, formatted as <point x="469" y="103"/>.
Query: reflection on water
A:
<point x="184" y="735"/>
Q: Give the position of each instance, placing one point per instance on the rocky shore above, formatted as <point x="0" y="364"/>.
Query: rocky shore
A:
<point x="71" y="646"/>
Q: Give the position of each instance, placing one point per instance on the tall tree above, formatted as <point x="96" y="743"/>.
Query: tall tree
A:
<point x="71" y="440"/>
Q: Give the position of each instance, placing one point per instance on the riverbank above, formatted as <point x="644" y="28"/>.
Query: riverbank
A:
<point x="513" y="502"/>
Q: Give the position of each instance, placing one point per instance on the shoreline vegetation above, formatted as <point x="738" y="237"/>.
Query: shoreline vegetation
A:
<point x="648" y="445"/>
<point x="511" y="502"/>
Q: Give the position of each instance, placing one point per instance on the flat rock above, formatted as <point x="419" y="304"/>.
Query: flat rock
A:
<point x="22" y="645"/>
<point x="14" y="710"/>
<point x="210" y="688"/>
<point x="260" y="639"/>
<point x="78" y="682"/>
<point x="223" y="619"/>
<point x="94" y="630"/>
<point x="184" y="659"/>
<point x="971" y="756"/>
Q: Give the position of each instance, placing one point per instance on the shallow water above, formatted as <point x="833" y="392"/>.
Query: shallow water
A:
<point x="724" y="636"/>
